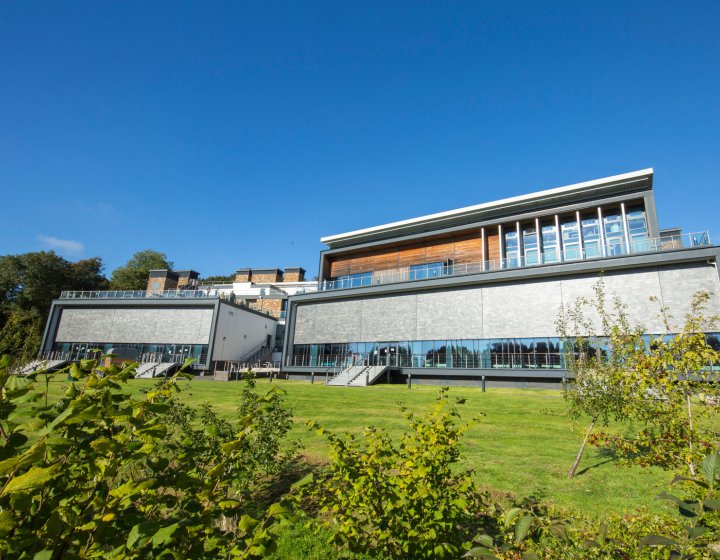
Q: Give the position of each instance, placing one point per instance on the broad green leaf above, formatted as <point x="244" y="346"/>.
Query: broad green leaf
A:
<point x="247" y="523"/>
<point x="485" y="540"/>
<point x="32" y="455"/>
<point x="164" y="535"/>
<point x="656" y="540"/>
<point x="7" y="522"/>
<point x="711" y="469"/>
<point x="510" y="516"/>
<point x="522" y="527"/>
<point x="31" y="480"/>
<point x="480" y="552"/>
<point x="43" y="555"/>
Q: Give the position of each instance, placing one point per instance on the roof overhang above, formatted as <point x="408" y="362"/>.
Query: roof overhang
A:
<point x="637" y="180"/>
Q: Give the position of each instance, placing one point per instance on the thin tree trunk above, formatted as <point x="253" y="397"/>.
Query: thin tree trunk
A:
<point x="574" y="467"/>
<point x="691" y="466"/>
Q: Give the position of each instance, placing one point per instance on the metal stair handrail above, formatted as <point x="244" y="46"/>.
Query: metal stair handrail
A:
<point x="363" y="361"/>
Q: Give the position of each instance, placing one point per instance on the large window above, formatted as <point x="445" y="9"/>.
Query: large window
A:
<point x="570" y="239"/>
<point x="591" y="236"/>
<point x="530" y="245"/>
<point x="637" y="230"/>
<point x="354" y="280"/>
<point x="550" y="243"/>
<point x="512" y="249"/>
<point x="614" y="233"/>
<point x="429" y="270"/>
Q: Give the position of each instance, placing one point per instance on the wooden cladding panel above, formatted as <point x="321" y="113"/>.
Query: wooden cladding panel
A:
<point x="468" y="248"/>
<point x="440" y="250"/>
<point x="363" y="263"/>
<point x="493" y="246"/>
<point x="386" y="259"/>
<point x="340" y="266"/>
<point x="408" y="256"/>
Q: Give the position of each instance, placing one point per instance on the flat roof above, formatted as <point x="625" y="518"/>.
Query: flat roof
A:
<point x="594" y="185"/>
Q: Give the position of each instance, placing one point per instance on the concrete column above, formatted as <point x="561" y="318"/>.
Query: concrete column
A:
<point x="580" y="235"/>
<point x="482" y="242"/>
<point x="602" y="231"/>
<point x="558" y="238"/>
<point x="501" y="245"/>
<point x="625" y="227"/>
<point x="521" y="247"/>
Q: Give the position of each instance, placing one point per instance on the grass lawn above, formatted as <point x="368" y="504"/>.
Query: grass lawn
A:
<point x="524" y="444"/>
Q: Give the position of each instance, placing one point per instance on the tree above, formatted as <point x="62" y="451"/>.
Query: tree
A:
<point x="624" y="374"/>
<point x="133" y="275"/>
<point x="28" y="284"/>
<point x="87" y="275"/>
<point x="601" y="345"/>
<point x="677" y="378"/>
<point x="219" y="278"/>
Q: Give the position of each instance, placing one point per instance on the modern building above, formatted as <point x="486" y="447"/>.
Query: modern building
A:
<point x="161" y="328"/>
<point x="473" y="295"/>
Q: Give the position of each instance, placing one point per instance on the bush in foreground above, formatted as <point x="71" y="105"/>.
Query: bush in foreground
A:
<point x="103" y="474"/>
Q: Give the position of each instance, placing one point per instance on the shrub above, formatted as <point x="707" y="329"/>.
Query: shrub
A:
<point x="102" y="474"/>
<point x="401" y="500"/>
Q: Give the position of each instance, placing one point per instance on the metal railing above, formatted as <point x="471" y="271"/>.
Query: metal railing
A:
<point x="136" y="294"/>
<point x="516" y="360"/>
<point x="531" y="259"/>
<point x="155" y="357"/>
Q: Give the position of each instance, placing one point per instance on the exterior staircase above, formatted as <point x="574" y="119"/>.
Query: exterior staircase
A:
<point x="41" y="365"/>
<point x="148" y="370"/>
<point x="357" y="376"/>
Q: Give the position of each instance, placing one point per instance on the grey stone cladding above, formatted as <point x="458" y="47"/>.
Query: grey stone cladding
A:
<point x="149" y="326"/>
<point x="516" y="309"/>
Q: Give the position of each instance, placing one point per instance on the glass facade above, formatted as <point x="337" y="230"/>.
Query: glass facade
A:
<point x="428" y="270"/>
<point x="614" y="230"/>
<point x="512" y="249"/>
<point x="530" y="245"/>
<point x="151" y="352"/>
<point x="530" y="353"/>
<point x="550" y="249"/>
<point x="591" y="236"/>
<point x="354" y="280"/>
<point x="637" y="230"/>
<point x="500" y="353"/>
<point x="570" y="239"/>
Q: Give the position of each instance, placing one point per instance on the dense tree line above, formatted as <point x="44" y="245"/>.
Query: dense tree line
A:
<point x="30" y="281"/>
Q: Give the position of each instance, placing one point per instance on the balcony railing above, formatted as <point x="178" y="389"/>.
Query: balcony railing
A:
<point x="137" y="294"/>
<point x="552" y="360"/>
<point x="530" y="259"/>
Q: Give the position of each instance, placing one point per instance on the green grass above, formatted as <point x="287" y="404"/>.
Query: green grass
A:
<point x="524" y="444"/>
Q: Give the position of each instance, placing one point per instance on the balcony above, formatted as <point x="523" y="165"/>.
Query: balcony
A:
<point x="534" y="259"/>
<point x="138" y="294"/>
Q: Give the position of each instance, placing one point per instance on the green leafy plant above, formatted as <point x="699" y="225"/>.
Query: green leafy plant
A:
<point x="696" y="510"/>
<point x="623" y="374"/>
<point x="601" y="347"/>
<point x="103" y="474"/>
<point x="400" y="500"/>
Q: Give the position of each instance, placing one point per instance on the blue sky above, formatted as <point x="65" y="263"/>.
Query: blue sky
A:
<point x="237" y="134"/>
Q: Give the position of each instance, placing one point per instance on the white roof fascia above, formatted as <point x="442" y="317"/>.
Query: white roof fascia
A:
<point x="587" y="185"/>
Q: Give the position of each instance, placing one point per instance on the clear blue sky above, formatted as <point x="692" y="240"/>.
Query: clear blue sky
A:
<point x="237" y="134"/>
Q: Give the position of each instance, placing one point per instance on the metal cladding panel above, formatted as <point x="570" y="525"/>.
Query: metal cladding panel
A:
<point x="524" y="310"/>
<point x="680" y="282"/>
<point x="150" y="326"/>
<point x="450" y="314"/>
<point x="334" y="321"/>
<point x="389" y="318"/>
<point x="518" y="309"/>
